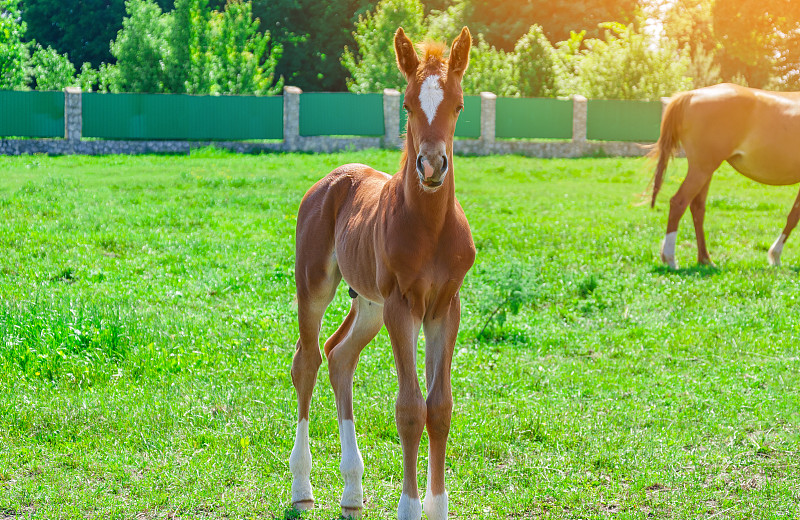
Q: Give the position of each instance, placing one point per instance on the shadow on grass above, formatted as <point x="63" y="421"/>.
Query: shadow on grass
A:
<point x="695" y="271"/>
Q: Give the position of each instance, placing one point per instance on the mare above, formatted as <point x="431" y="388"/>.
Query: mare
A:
<point x="403" y="245"/>
<point x="756" y="131"/>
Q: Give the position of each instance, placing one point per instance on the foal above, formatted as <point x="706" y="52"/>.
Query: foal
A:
<point x="756" y="131"/>
<point x="403" y="245"/>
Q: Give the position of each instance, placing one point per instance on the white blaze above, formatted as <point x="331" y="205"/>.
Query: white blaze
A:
<point x="430" y="96"/>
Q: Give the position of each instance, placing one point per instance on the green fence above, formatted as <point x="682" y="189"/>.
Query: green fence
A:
<point x="31" y="114"/>
<point x="182" y="117"/>
<point x="618" y="120"/>
<point x="533" y="118"/>
<point x="469" y="121"/>
<point x="341" y="113"/>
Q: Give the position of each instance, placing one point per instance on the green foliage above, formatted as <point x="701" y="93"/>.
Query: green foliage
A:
<point x="490" y="70"/>
<point x="372" y="66"/>
<point x="50" y="70"/>
<point x="625" y="66"/>
<point x="13" y="52"/>
<point x="140" y="49"/>
<point x="507" y="289"/>
<point x="536" y="67"/>
<point x="191" y="49"/>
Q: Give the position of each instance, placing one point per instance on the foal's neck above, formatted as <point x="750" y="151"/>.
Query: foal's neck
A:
<point x="432" y="205"/>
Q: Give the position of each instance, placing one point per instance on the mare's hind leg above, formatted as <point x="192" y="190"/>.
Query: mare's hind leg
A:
<point x="698" y="209"/>
<point x="316" y="277"/>
<point x="343" y="349"/>
<point x="696" y="178"/>
<point x="774" y="255"/>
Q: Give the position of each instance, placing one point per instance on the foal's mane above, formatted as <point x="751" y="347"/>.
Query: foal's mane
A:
<point x="432" y="57"/>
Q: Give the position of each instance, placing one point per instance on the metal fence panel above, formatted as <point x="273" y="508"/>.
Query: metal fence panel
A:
<point x="469" y="122"/>
<point x="31" y="114"/>
<point x="533" y="118"/>
<point x="623" y="120"/>
<point x="341" y="113"/>
<point x="182" y="117"/>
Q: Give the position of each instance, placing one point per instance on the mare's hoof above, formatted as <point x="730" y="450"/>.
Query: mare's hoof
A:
<point x="303" y="505"/>
<point x="351" y="512"/>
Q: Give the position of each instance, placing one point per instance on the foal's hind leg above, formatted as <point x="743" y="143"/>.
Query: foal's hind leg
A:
<point x="317" y="279"/>
<point x="698" y="208"/>
<point x="774" y="255"/>
<point x="343" y="349"/>
<point x="696" y="178"/>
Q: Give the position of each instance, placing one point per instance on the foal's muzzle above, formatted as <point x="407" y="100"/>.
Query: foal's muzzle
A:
<point x="431" y="169"/>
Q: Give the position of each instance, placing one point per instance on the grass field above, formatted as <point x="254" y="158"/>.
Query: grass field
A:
<point x="147" y="329"/>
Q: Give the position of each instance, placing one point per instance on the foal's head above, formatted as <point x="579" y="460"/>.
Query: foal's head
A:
<point x="433" y="101"/>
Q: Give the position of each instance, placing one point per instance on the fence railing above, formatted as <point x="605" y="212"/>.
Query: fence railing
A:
<point x="86" y="122"/>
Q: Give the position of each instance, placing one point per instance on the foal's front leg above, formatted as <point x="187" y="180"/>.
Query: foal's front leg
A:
<point x="410" y="409"/>
<point x="440" y="340"/>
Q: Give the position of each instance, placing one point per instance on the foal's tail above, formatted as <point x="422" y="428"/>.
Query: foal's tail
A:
<point x="669" y="140"/>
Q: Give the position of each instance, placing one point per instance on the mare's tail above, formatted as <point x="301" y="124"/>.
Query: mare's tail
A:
<point x="669" y="140"/>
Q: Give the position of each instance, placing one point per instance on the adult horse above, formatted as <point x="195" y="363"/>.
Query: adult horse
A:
<point x="403" y="245"/>
<point x="756" y="131"/>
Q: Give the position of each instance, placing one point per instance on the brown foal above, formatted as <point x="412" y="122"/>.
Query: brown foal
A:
<point x="756" y="131"/>
<point x="403" y="245"/>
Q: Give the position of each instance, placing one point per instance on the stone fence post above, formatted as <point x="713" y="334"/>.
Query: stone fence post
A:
<point x="580" y="109"/>
<point x="73" y="114"/>
<point x="391" y="118"/>
<point x="291" y="117"/>
<point x="488" y="118"/>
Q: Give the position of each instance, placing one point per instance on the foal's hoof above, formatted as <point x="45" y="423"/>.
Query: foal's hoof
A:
<point x="773" y="259"/>
<point x="303" y="505"/>
<point x="707" y="262"/>
<point x="351" y="512"/>
<point x="669" y="261"/>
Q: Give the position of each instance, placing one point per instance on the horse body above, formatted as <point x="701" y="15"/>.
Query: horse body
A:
<point x="755" y="131"/>
<point x="403" y="245"/>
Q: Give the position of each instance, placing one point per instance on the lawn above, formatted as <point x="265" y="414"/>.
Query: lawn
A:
<point x="147" y="327"/>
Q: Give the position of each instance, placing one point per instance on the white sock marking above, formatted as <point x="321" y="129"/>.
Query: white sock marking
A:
<point x="409" y="508"/>
<point x="668" y="249"/>
<point x="352" y="466"/>
<point x="430" y="96"/>
<point x="774" y="255"/>
<point x="435" y="506"/>
<point x="300" y="464"/>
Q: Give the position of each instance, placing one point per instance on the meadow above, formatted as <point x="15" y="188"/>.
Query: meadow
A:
<point x="147" y="326"/>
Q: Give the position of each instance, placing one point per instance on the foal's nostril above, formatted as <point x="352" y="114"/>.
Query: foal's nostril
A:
<point x="420" y="168"/>
<point x="444" y="163"/>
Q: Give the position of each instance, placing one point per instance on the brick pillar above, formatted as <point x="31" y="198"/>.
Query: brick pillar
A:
<point x="73" y="114"/>
<point x="488" y="117"/>
<point x="391" y="118"/>
<point x="579" y="112"/>
<point x="291" y="117"/>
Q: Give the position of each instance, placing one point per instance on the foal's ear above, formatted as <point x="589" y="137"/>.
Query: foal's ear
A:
<point x="459" y="53"/>
<point x="407" y="58"/>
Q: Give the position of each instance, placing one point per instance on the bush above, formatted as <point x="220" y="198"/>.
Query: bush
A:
<point x="50" y="70"/>
<point x="373" y="66"/>
<point x="625" y="66"/>
<point x="535" y="65"/>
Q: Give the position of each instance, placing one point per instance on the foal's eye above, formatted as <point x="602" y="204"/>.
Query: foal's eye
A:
<point x="459" y="109"/>
<point x="406" y="108"/>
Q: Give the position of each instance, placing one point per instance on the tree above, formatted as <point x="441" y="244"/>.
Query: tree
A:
<point x="13" y="52"/>
<point x="50" y="70"/>
<point x="503" y="23"/>
<point x="623" y="65"/>
<point x="140" y="49"/>
<point x="372" y="66"/>
<point x="490" y="70"/>
<point x="80" y="29"/>
<point x="535" y="65"/>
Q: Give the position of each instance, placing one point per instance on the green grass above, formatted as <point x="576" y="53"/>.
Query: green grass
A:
<point x="147" y="327"/>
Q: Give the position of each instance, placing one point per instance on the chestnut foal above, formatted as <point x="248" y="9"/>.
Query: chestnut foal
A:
<point x="403" y="245"/>
<point x="756" y="131"/>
